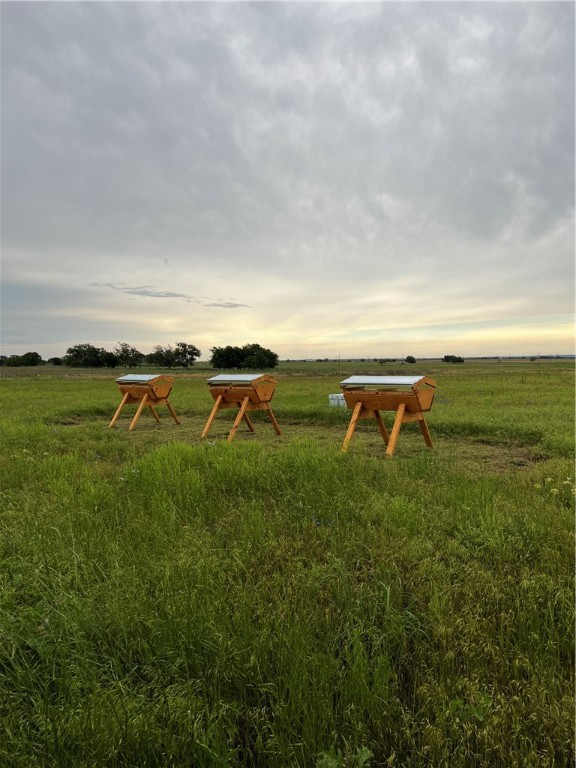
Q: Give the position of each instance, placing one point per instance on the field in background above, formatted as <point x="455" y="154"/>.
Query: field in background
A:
<point x="273" y="602"/>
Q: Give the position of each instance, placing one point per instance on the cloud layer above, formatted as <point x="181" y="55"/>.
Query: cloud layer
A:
<point x="342" y="178"/>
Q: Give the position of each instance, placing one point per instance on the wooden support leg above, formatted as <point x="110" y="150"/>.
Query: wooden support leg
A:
<point x="238" y="419"/>
<point x="138" y="412"/>
<point x="273" y="419"/>
<point x="154" y="413"/>
<point x="118" y="410"/>
<point x="351" y="426"/>
<point x="381" y="426"/>
<point x="395" y="429"/>
<point x="210" y="418"/>
<point x="424" y="430"/>
<point x="172" y="411"/>
<point x="248" y="422"/>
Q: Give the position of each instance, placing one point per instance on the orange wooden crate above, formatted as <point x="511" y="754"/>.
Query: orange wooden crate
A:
<point x="144" y="390"/>
<point x="247" y="392"/>
<point x="408" y="396"/>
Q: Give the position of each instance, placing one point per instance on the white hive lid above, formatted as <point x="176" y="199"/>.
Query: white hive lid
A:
<point x="234" y="378"/>
<point x="380" y="381"/>
<point x="137" y="378"/>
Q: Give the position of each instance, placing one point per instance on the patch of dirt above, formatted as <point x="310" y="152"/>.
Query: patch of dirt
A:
<point x="489" y="455"/>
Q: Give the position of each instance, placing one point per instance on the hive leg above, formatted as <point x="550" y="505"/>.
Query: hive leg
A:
<point x="138" y="412"/>
<point x="238" y="419"/>
<point x="210" y="418"/>
<point x="352" y="425"/>
<point x="172" y="411"/>
<point x="424" y="430"/>
<point x="381" y="426"/>
<point x="154" y="413"/>
<point x="395" y="429"/>
<point x="118" y="410"/>
<point x="273" y="419"/>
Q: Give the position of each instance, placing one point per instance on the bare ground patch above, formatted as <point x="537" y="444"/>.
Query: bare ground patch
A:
<point x="478" y="452"/>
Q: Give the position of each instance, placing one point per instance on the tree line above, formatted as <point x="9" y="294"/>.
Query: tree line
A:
<point x="182" y="354"/>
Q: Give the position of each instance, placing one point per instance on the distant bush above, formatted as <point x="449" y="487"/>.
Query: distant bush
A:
<point x="88" y="356"/>
<point x="185" y="354"/>
<point x="250" y="356"/>
<point x="182" y="355"/>
<point x="27" y="359"/>
<point x="452" y="359"/>
<point x="127" y="355"/>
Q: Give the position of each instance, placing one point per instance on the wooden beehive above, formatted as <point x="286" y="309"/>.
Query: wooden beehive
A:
<point x="245" y="391"/>
<point x="144" y="390"/>
<point x="408" y="396"/>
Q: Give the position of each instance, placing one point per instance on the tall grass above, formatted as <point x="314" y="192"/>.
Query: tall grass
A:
<point x="273" y="602"/>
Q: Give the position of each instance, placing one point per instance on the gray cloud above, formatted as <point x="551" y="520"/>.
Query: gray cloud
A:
<point x="292" y="153"/>
<point x="144" y="290"/>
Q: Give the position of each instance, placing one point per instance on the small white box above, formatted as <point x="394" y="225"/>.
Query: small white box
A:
<point x="337" y="400"/>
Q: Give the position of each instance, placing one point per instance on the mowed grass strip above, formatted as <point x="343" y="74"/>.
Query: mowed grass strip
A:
<point x="275" y="602"/>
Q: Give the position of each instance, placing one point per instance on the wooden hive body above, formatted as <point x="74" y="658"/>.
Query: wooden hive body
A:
<point x="156" y="387"/>
<point x="408" y="396"/>
<point x="245" y="391"/>
<point x="232" y="388"/>
<point x="383" y="394"/>
<point x="145" y="390"/>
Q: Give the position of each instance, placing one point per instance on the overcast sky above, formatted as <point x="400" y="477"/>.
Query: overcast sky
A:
<point x="324" y="179"/>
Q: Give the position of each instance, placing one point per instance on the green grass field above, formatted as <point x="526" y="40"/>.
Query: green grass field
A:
<point x="275" y="603"/>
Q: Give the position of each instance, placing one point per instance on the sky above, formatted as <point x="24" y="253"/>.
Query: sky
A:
<point x="353" y="179"/>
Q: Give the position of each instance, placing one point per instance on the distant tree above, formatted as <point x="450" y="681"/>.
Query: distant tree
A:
<point x="85" y="356"/>
<point x="251" y="356"/>
<point x="185" y="354"/>
<point x="109" y="359"/>
<point x="155" y="358"/>
<point x="410" y="359"/>
<point x="128" y="357"/>
<point x="3" y="359"/>
<point x="27" y="359"/>
<point x="256" y="357"/>
<point x="226" y="357"/>
<point x="13" y="361"/>
<point x="54" y="361"/>
<point x="32" y="358"/>
<point x="452" y="359"/>
<point x="162" y="356"/>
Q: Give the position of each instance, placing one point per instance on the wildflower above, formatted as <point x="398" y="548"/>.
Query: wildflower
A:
<point x="538" y="486"/>
<point x="567" y="482"/>
<point x="554" y="491"/>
